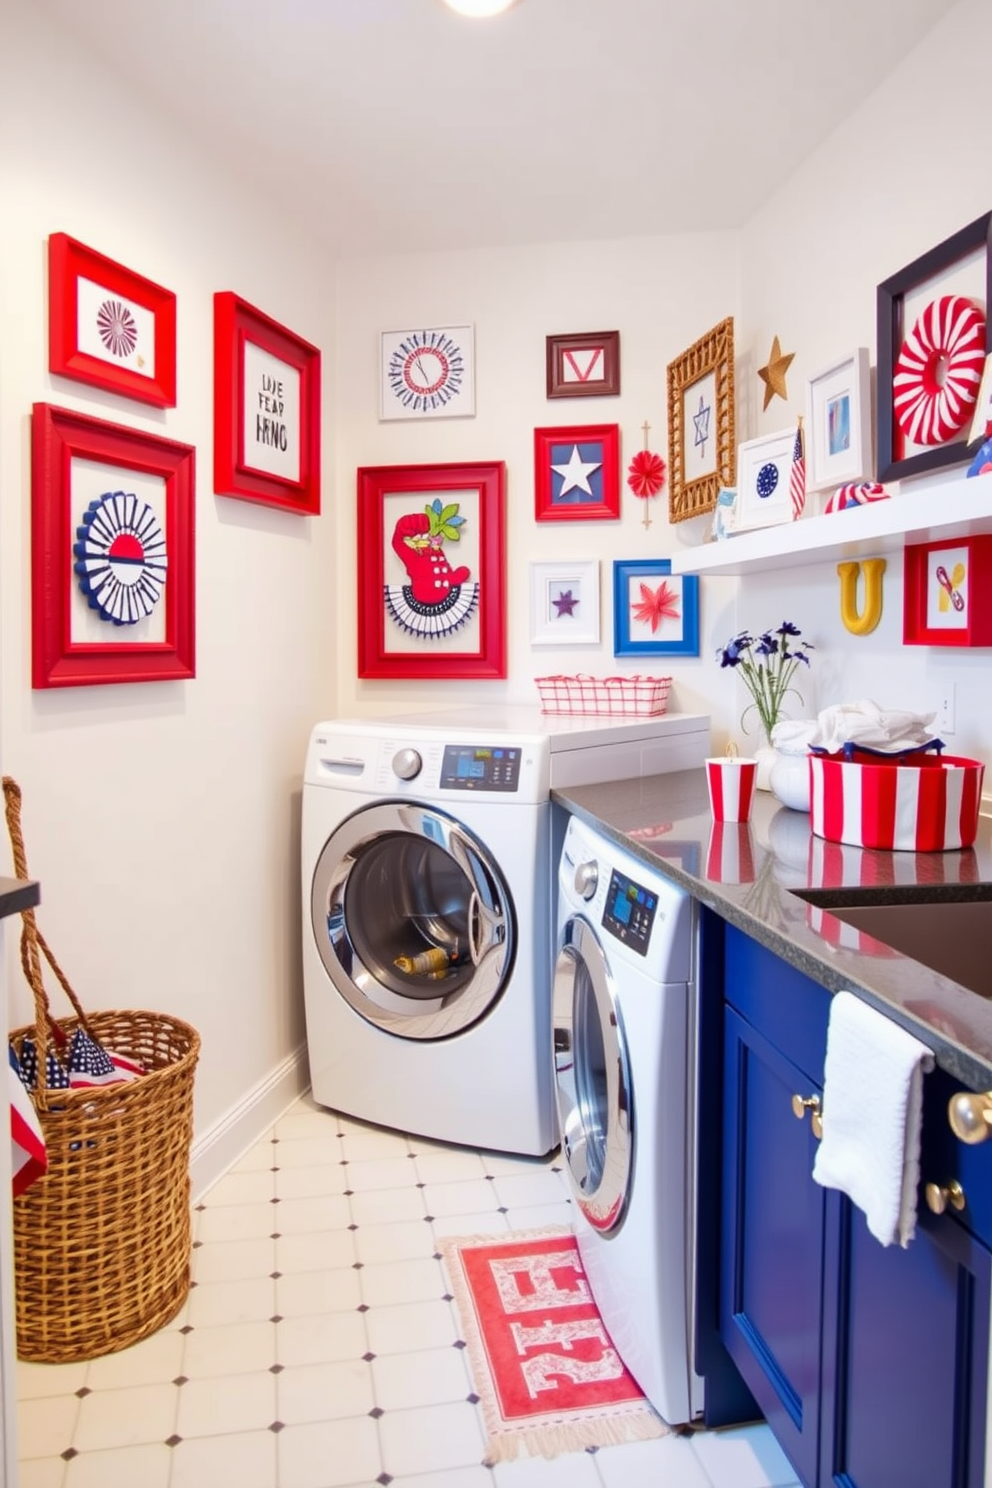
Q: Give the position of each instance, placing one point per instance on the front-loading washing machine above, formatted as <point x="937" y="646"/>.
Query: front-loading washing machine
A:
<point x="428" y="936"/>
<point x="623" y="1024"/>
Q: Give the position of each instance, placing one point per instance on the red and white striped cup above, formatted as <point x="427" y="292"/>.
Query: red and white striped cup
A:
<point x="730" y="778"/>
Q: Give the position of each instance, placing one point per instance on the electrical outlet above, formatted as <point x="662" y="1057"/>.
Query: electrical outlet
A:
<point x="944" y="722"/>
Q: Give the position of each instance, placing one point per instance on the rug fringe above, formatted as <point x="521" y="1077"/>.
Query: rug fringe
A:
<point x="551" y="1439"/>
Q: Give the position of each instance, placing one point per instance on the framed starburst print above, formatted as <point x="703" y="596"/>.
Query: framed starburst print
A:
<point x="655" y="612"/>
<point x="109" y="326"/>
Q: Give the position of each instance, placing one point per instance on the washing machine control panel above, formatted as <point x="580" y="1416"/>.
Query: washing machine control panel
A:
<point x="472" y="767"/>
<point x="629" y="912"/>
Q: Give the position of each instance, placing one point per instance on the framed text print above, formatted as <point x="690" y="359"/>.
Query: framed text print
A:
<point x="427" y="373"/>
<point x="112" y="512"/>
<point x="655" y="612"/>
<point x="266" y="410"/>
<point x="108" y="326"/>
<point x="431" y="571"/>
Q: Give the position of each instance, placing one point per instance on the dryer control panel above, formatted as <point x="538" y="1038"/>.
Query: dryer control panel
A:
<point x="629" y="912"/>
<point x="471" y="767"/>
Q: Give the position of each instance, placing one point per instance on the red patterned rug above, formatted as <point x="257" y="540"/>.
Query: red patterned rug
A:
<point x="547" y="1375"/>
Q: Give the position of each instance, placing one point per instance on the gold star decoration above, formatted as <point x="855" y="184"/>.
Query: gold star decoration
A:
<point x="773" y="373"/>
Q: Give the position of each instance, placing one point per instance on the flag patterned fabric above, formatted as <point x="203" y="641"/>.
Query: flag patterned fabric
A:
<point x="797" y="476"/>
<point x="28" y="1156"/>
<point x="87" y="1063"/>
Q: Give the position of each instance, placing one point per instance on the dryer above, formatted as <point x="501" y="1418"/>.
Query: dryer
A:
<point x="623" y="1022"/>
<point x="427" y="910"/>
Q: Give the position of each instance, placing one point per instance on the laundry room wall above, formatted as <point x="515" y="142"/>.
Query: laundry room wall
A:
<point x="661" y="294"/>
<point x="901" y="174"/>
<point x="162" y="818"/>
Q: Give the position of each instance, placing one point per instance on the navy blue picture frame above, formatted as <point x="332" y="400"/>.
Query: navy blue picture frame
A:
<point x="643" y="570"/>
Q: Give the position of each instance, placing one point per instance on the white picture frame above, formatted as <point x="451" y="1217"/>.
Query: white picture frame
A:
<point x="427" y="373"/>
<point x="763" y="467"/>
<point x="838" y="424"/>
<point x="564" y="603"/>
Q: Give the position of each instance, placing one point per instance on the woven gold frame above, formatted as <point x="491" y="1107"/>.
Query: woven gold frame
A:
<point x="714" y="353"/>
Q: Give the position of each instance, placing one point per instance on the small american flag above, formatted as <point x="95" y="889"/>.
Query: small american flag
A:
<point x="797" y="475"/>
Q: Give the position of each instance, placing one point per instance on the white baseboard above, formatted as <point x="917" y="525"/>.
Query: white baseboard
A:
<point x="217" y="1150"/>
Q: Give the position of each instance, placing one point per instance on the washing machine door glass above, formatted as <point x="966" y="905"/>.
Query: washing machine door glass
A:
<point x="413" y="920"/>
<point x="592" y="1071"/>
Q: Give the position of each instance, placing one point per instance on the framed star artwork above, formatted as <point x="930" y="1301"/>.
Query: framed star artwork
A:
<point x="427" y="373"/>
<point x="564" y="604"/>
<point x="701" y="448"/>
<point x="577" y="473"/>
<point x="112" y="519"/>
<point x="108" y="326"/>
<point x="584" y="366"/>
<point x="655" y="612"/>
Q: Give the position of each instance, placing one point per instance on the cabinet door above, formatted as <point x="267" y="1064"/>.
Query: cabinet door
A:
<point x="772" y="1237"/>
<point x="905" y="1345"/>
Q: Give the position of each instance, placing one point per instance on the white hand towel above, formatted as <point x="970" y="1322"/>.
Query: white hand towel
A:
<point x="872" y="1116"/>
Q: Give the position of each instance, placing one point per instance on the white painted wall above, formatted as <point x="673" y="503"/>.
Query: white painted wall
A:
<point x="910" y="167"/>
<point x="661" y="294"/>
<point x="162" y="819"/>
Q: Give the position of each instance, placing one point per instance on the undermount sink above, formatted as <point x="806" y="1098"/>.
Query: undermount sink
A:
<point x="947" y="928"/>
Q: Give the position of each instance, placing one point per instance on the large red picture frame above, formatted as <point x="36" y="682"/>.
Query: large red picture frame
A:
<point x="108" y="326"/>
<point x="266" y="410"/>
<point x="402" y="631"/>
<point x="73" y="458"/>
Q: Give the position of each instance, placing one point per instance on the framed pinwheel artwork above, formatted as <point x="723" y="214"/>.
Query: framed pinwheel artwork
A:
<point x="577" y="473"/>
<point x="655" y="612"/>
<point x="112" y="517"/>
<point x="564" y="604"/>
<point x="108" y="326"/>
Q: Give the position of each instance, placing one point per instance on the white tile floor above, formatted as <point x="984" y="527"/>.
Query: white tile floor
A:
<point x="318" y="1348"/>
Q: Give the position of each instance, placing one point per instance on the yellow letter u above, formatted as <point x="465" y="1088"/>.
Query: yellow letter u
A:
<point x="870" y="615"/>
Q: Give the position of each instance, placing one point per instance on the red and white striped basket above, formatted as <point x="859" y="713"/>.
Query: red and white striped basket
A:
<point x="639" y="697"/>
<point x="908" y="802"/>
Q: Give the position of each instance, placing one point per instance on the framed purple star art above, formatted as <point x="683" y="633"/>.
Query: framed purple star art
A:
<point x="577" y="473"/>
<point x="564" y="604"/>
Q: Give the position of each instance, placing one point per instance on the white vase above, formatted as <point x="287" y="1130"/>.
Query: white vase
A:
<point x="765" y="755"/>
<point x="788" y="779"/>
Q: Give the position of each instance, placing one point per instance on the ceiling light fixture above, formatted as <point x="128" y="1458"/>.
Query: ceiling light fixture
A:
<point x="479" y="8"/>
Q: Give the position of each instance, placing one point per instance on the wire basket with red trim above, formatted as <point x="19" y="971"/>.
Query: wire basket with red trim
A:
<point x="611" y="697"/>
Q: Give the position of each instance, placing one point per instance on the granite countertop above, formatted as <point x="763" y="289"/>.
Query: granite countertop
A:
<point x="746" y="873"/>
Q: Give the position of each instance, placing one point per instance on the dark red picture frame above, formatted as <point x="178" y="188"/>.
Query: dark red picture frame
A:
<point x="70" y="261"/>
<point x="582" y="355"/>
<point x="482" y="483"/>
<point x="58" y="437"/>
<point x="975" y="627"/>
<point x="603" y="482"/>
<point x="238" y="326"/>
<point x="892" y="463"/>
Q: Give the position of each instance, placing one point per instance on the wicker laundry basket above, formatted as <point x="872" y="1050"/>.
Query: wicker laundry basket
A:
<point x="102" y="1242"/>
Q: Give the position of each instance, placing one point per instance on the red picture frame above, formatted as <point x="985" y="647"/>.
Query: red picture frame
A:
<point x="266" y="410"/>
<point x="577" y="473"/>
<point x="108" y="326"/>
<point x="73" y="644"/>
<point x="407" y="555"/>
<point x="586" y="365"/>
<point x="946" y="589"/>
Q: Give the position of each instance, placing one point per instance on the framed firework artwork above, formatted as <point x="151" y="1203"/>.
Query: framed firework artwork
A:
<point x="428" y="373"/>
<point x="577" y="473"/>
<point x="266" y="410"/>
<point x="655" y="613"/>
<point x="112" y="522"/>
<point x="108" y="326"/>
<point x="701" y="445"/>
<point x="933" y="343"/>
<point x="431" y="571"/>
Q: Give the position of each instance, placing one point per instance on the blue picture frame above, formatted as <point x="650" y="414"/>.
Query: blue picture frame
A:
<point x="654" y="632"/>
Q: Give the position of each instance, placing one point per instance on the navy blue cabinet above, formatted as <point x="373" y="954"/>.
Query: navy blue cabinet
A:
<point x="869" y="1362"/>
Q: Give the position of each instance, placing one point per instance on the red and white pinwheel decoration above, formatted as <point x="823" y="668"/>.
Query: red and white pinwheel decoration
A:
<point x="646" y="474"/>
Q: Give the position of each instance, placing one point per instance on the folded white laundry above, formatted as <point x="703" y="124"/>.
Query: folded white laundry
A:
<point x="864" y="722"/>
<point x="872" y="1116"/>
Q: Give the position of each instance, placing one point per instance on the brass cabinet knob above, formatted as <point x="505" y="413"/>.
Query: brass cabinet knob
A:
<point x="970" y="1116"/>
<point x="802" y="1104"/>
<point x="938" y="1198"/>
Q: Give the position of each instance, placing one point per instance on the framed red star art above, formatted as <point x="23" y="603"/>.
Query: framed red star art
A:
<point x="655" y="612"/>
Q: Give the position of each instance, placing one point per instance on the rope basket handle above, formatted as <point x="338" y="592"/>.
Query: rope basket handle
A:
<point x="33" y="943"/>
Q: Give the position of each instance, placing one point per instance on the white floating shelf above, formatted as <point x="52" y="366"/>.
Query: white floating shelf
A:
<point x="957" y="508"/>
